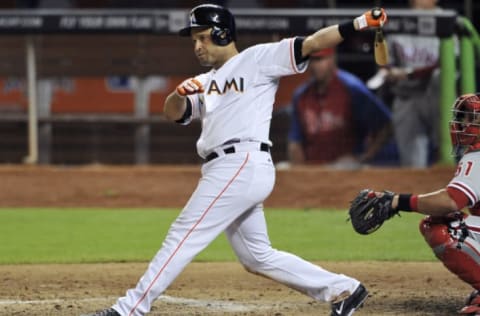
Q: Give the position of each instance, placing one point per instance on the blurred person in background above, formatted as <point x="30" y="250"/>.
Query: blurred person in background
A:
<point x="336" y="120"/>
<point x="413" y="78"/>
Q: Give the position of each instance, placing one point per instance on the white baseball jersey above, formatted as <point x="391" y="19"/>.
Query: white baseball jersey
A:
<point x="467" y="179"/>
<point x="239" y="96"/>
<point x="236" y="105"/>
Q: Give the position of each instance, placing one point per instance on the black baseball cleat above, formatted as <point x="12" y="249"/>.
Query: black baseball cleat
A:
<point x="105" y="312"/>
<point x="349" y="305"/>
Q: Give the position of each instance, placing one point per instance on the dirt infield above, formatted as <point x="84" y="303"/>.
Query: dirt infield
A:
<point x="171" y="186"/>
<point x="225" y="289"/>
<point x="212" y="288"/>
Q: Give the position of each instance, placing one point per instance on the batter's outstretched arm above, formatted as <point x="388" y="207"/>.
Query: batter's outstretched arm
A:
<point x="324" y="38"/>
<point x="331" y="36"/>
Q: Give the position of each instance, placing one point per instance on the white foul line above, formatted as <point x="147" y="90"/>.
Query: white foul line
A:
<point x="54" y="301"/>
<point x="208" y="304"/>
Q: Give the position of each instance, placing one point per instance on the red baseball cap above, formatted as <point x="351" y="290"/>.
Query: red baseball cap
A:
<point x="323" y="53"/>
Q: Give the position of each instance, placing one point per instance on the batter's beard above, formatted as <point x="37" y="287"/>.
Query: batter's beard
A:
<point x="204" y="62"/>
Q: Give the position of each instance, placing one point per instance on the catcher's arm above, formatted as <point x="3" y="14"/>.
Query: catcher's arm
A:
<point x="370" y="209"/>
<point x="438" y="203"/>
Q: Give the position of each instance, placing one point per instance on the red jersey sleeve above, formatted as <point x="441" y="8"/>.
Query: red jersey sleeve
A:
<point x="459" y="197"/>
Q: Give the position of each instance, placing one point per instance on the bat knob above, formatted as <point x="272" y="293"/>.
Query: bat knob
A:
<point x="376" y="13"/>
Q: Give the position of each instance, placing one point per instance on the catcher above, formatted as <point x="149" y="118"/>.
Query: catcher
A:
<point x="453" y="235"/>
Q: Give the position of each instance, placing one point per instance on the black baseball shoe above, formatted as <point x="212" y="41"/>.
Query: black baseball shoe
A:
<point x="349" y="305"/>
<point x="105" y="312"/>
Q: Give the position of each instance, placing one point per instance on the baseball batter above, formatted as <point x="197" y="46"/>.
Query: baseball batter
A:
<point x="234" y="101"/>
<point x="453" y="235"/>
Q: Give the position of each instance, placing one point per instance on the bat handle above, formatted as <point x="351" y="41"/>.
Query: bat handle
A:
<point x="379" y="37"/>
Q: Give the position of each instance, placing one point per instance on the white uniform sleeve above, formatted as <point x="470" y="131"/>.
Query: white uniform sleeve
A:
<point x="278" y="59"/>
<point x="467" y="179"/>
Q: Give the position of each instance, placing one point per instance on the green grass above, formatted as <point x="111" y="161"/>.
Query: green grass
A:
<point x="104" y="235"/>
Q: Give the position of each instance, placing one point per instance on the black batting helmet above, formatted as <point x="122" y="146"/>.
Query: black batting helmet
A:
<point x="218" y="18"/>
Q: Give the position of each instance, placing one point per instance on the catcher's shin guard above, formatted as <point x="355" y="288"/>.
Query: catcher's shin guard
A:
<point x="455" y="245"/>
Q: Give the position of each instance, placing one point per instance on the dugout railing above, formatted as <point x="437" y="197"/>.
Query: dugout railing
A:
<point x="38" y="29"/>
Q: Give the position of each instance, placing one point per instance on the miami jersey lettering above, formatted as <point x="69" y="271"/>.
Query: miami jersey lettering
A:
<point x="244" y="99"/>
<point x="235" y="85"/>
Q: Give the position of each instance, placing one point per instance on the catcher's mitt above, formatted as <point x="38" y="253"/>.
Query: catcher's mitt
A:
<point x="368" y="211"/>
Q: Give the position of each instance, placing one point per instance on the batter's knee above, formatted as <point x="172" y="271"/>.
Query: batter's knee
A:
<point x="252" y="267"/>
<point x="247" y="264"/>
<point x="256" y="263"/>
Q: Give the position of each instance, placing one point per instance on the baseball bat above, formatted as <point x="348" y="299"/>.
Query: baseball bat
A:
<point x="380" y="44"/>
<point x="381" y="50"/>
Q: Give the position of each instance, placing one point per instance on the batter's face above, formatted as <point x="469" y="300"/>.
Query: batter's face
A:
<point x="322" y="69"/>
<point x="207" y="52"/>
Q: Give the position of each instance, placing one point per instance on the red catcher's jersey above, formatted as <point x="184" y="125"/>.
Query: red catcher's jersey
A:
<point x="327" y="122"/>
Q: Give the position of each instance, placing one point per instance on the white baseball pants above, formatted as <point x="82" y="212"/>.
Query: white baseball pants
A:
<point x="229" y="198"/>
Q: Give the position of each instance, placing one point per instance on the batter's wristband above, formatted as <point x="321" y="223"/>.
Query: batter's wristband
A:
<point x="407" y="202"/>
<point x="346" y="29"/>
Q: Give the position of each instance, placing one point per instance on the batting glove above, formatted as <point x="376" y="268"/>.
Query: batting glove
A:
<point x="373" y="18"/>
<point x="189" y="86"/>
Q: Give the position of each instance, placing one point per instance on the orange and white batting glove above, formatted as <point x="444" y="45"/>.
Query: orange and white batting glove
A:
<point x="373" y="18"/>
<point x="189" y="86"/>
